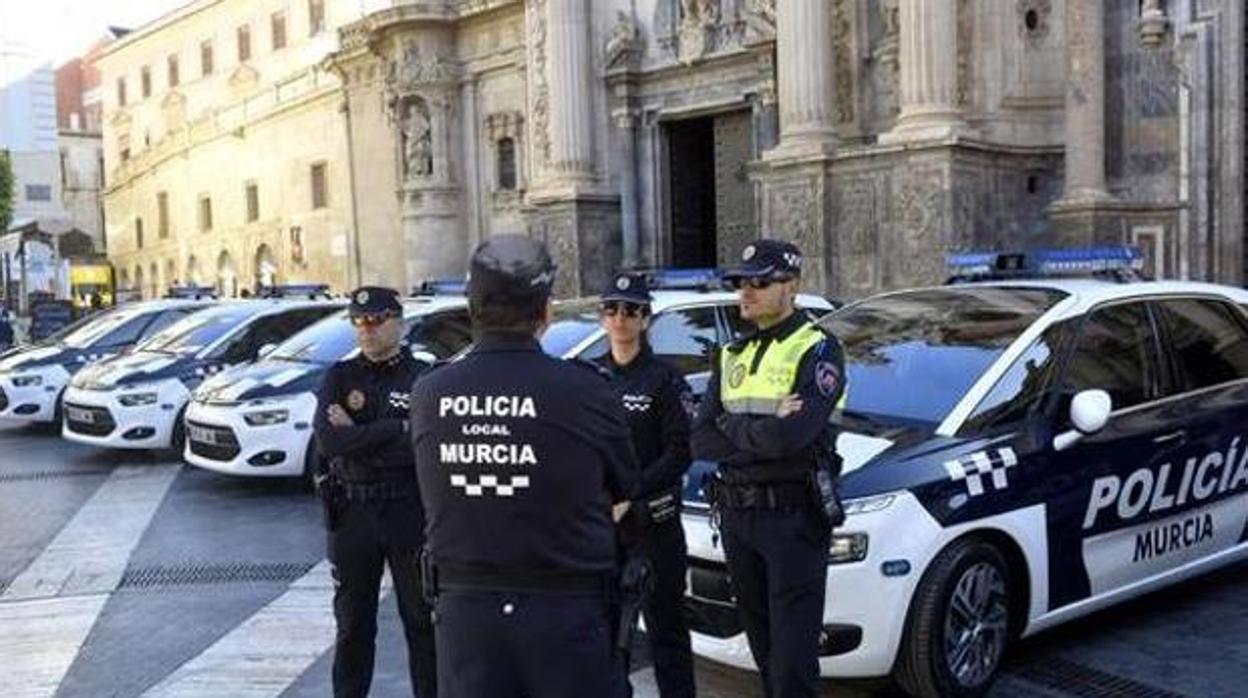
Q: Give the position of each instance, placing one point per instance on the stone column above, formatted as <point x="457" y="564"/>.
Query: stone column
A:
<point x="929" y="72"/>
<point x="626" y="123"/>
<point x="807" y="81"/>
<point x="1085" y="102"/>
<point x="571" y="128"/>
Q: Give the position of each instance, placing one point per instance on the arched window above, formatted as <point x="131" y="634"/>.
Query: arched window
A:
<point x="506" y="164"/>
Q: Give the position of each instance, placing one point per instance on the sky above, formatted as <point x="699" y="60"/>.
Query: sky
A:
<point x="58" y="30"/>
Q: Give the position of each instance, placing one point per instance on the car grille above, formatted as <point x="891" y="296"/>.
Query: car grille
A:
<point x="101" y="423"/>
<point x="4" y="400"/>
<point x="710" y="606"/>
<point x="224" y="446"/>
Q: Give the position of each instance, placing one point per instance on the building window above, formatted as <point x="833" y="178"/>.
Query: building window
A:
<point x="320" y="193"/>
<point x="138" y="233"/>
<point x="244" y="43"/>
<point x="205" y="213"/>
<point x="38" y="192"/>
<point x="121" y="92"/>
<point x="205" y="58"/>
<point x="507" y="165"/>
<point x="145" y="81"/>
<point x="277" y="23"/>
<point x="316" y="17"/>
<point x="253" y="202"/>
<point x="174" y="78"/>
<point x="123" y="147"/>
<point x="162" y="214"/>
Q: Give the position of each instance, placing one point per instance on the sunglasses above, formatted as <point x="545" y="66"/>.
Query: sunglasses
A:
<point x="612" y="308"/>
<point x="759" y="283"/>
<point x="370" y="320"/>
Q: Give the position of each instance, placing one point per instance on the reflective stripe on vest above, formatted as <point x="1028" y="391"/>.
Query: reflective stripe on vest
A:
<point x="761" y="392"/>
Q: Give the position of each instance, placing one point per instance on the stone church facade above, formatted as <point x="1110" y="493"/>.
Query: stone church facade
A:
<point x="877" y="134"/>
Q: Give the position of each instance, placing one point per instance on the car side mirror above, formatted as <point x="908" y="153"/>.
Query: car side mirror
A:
<point x="266" y="350"/>
<point x="1089" y="413"/>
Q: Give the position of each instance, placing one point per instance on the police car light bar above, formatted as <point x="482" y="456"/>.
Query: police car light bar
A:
<point x="295" y="290"/>
<point x="191" y="292"/>
<point x="1122" y="262"/>
<point x="677" y="279"/>
<point x="441" y="287"/>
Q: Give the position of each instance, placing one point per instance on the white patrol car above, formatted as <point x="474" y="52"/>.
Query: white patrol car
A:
<point x="1016" y="454"/>
<point x="33" y="378"/>
<point x="136" y="400"/>
<point x="690" y="317"/>
<point x="256" y="419"/>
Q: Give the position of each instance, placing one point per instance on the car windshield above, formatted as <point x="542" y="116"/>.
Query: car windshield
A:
<point x="88" y="331"/>
<point x="911" y="356"/>
<point x="200" y="330"/>
<point x="329" y="340"/>
<point x="571" y="323"/>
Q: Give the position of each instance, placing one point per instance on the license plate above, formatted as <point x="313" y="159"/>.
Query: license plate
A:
<point x="78" y="415"/>
<point x="201" y="435"/>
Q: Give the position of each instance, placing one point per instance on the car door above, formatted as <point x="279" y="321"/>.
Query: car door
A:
<point x="1099" y="490"/>
<point x="1206" y="341"/>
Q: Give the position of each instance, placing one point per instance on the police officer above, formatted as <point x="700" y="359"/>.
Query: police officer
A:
<point x="520" y="458"/>
<point x="372" y="504"/>
<point x="656" y="401"/>
<point x="764" y="418"/>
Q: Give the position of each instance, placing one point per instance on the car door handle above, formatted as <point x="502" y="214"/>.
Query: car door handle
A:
<point x="1172" y="437"/>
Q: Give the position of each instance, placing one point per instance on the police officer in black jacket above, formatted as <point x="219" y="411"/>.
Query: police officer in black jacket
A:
<point x="656" y="401"/>
<point x="521" y="457"/>
<point x="370" y="493"/>
<point x="764" y="418"/>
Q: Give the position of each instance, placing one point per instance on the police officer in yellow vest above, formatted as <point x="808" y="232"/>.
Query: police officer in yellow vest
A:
<point x="764" y="419"/>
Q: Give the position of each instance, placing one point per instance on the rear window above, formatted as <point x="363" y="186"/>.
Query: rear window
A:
<point x="910" y="357"/>
<point x="1207" y="340"/>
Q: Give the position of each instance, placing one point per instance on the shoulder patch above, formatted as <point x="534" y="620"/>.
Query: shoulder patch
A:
<point x="827" y="378"/>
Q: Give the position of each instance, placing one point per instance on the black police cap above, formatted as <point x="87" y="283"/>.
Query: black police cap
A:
<point x="628" y="287"/>
<point x="510" y="268"/>
<point x="767" y="258"/>
<point x="375" y="300"/>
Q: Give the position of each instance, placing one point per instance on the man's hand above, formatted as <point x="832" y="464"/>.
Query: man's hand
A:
<point x="791" y="404"/>
<point x="338" y="417"/>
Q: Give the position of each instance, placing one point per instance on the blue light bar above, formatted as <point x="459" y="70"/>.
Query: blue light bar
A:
<point x="441" y="287"/>
<point x="191" y="292"/>
<point x="683" y="278"/>
<point x="293" y="290"/>
<point x="1047" y="262"/>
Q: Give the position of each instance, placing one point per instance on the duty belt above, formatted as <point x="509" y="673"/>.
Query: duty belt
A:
<point x="366" y="491"/>
<point x="780" y="495"/>
<point x="439" y="578"/>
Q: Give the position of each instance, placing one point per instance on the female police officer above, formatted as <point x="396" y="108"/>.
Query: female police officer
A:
<point x="656" y="402"/>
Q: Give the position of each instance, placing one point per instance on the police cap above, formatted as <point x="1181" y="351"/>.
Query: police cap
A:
<point x="627" y="287"/>
<point x="767" y="258"/>
<point x="375" y="300"/>
<point x="510" y="269"/>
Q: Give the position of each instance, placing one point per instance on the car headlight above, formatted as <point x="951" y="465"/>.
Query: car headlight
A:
<point x="866" y="505"/>
<point x="137" y="399"/>
<point x="266" y="418"/>
<point x="847" y="547"/>
<point x="27" y="381"/>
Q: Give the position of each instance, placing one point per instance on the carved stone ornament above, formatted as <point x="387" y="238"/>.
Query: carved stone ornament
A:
<point x="539" y="106"/>
<point x="417" y="138"/>
<point x="414" y="70"/>
<point x="1035" y="20"/>
<point x="760" y="19"/>
<point x="625" y="44"/>
<point x="1153" y="23"/>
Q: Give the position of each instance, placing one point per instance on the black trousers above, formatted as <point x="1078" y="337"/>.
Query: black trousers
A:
<point x="521" y="645"/>
<point x="778" y="561"/>
<point x="370" y="534"/>
<point x="666" y="628"/>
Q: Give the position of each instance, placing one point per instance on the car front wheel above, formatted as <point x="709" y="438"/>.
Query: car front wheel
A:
<point x="959" y="623"/>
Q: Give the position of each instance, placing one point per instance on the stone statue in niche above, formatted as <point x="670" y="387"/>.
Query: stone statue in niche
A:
<point x="417" y="141"/>
<point x="624" y="43"/>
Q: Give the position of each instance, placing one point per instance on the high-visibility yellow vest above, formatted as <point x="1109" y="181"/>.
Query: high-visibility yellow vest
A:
<point x="761" y="392"/>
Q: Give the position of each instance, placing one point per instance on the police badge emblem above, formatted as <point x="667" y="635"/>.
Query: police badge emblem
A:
<point x="748" y="253"/>
<point x="361" y="297"/>
<point x="355" y="401"/>
<point x="622" y="283"/>
<point x="736" y="375"/>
